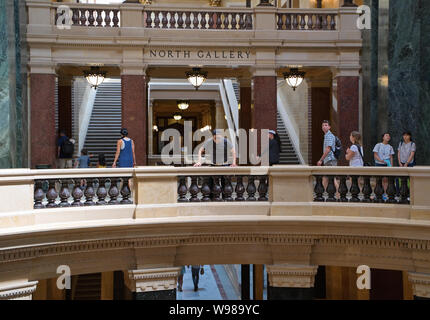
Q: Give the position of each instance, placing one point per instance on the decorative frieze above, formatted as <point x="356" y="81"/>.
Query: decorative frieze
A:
<point x="147" y="280"/>
<point x="291" y="276"/>
<point x="18" y="291"/>
<point x="420" y="284"/>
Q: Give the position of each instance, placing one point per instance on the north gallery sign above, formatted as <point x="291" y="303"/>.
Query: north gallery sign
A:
<point x="214" y="54"/>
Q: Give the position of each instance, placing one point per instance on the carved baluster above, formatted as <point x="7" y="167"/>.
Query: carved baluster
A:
<point x="262" y="189"/>
<point x="391" y="191"/>
<point x="240" y="189"/>
<point x="228" y="189"/>
<point x="354" y="190"/>
<point x="302" y="21"/>
<point x="115" y="18"/>
<point x="318" y="25"/>
<point x="310" y="21"/>
<point x="295" y="22"/>
<point x="202" y="20"/>
<point x="125" y="191"/>
<point x="195" y="20"/>
<point x="113" y="191"/>
<point x="404" y="191"/>
<point x="280" y="21"/>
<point x="319" y="189"/>
<point x="149" y="19"/>
<point x="216" y="189"/>
<point x="211" y="20"/>
<point x="288" y="22"/>
<point x="194" y="190"/>
<point x="343" y="190"/>
<point x="157" y="20"/>
<point x="241" y="22"/>
<point x="108" y="19"/>
<point x="180" y="20"/>
<point x="379" y="190"/>
<point x="233" y="21"/>
<point x="206" y="190"/>
<point x="172" y="20"/>
<point x="331" y="189"/>
<point x="367" y="190"/>
<point x="226" y="21"/>
<point x="251" y="189"/>
<point x="333" y="22"/>
<point x="218" y="20"/>
<point x="64" y="194"/>
<point x="101" y="192"/>
<point x="91" y="19"/>
<point x="99" y="18"/>
<point x="248" y="21"/>
<point x="182" y="190"/>
<point x="77" y="193"/>
<point x="51" y="195"/>
<point x="164" y="19"/>
<point x="89" y="193"/>
<point x="75" y="17"/>
<point x="83" y="18"/>
<point x="187" y="20"/>
<point x="324" y="22"/>
<point x="39" y="195"/>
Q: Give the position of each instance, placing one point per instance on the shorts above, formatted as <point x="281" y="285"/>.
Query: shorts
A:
<point x="64" y="163"/>
<point x="331" y="163"/>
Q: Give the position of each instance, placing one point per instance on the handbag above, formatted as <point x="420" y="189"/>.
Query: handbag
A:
<point x="202" y="271"/>
<point x="366" y="164"/>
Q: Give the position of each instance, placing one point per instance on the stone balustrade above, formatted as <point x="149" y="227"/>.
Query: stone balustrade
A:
<point x="309" y="19"/>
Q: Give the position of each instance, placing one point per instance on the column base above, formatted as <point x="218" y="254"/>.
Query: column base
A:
<point x="155" y="295"/>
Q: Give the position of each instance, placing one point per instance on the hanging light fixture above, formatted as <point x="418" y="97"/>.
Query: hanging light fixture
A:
<point x="95" y="76"/>
<point x="294" y="78"/>
<point x="183" y="104"/>
<point x="196" y="77"/>
<point x="177" y="116"/>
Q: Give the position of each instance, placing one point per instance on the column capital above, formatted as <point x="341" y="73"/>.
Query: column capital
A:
<point x="146" y="280"/>
<point x="245" y="82"/>
<point x="18" y="290"/>
<point x="291" y="276"/>
<point x="352" y="71"/>
<point x="133" y="69"/>
<point x="420" y="284"/>
<point x="42" y="68"/>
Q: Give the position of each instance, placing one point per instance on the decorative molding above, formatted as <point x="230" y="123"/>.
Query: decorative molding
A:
<point x="420" y="284"/>
<point x="291" y="276"/>
<point x="145" y="280"/>
<point x="22" y="291"/>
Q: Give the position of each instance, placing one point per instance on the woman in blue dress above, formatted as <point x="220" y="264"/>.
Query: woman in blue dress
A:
<point x="124" y="151"/>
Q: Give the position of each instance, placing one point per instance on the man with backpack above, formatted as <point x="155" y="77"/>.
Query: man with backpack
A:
<point x="65" y="149"/>
<point x="331" y="148"/>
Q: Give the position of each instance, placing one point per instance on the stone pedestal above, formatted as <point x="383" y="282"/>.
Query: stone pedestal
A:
<point x="134" y="113"/>
<point x="420" y="285"/>
<point x="291" y="282"/>
<point x="17" y="290"/>
<point x="153" y="284"/>
<point x="42" y="105"/>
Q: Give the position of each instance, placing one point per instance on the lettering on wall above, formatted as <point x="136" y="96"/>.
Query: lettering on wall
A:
<point x="221" y="54"/>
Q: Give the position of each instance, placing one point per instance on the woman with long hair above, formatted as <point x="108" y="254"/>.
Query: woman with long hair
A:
<point x="354" y="154"/>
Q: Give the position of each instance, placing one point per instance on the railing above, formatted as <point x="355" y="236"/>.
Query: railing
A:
<point x="197" y="19"/>
<point x="371" y="190"/>
<point x="88" y="15"/>
<point x="219" y="188"/>
<point x="305" y="20"/>
<point x="54" y="193"/>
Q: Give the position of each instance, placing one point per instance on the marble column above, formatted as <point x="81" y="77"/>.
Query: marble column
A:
<point x="19" y="290"/>
<point x="134" y="113"/>
<point x="245" y="112"/>
<point x="291" y="282"/>
<point x="347" y="110"/>
<point x="153" y="284"/>
<point x="43" y="134"/>
<point x="65" y="104"/>
<point x="420" y="285"/>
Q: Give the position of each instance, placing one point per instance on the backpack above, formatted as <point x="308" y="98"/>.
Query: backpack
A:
<point x="68" y="148"/>
<point x="338" y="148"/>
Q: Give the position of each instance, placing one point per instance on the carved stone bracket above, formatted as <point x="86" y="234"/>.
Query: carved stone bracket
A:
<point x="420" y="284"/>
<point x="291" y="276"/>
<point x="18" y="291"/>
<point x="146" y="280"/>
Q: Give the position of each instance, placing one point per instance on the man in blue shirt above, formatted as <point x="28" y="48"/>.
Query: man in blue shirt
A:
<point x="328" y="158"/>
<point x="64" y="160"/>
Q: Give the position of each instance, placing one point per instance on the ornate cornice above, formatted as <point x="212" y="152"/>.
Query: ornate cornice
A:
<point x="420" y="284"/>
<point x="146" y="280"/>
<point x="291" y="276"/>
<point x="21" y="291"/>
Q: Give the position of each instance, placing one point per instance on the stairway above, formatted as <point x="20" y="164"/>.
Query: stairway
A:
<point x="288" y="154"/>
<point x="105" y="122"/>
<point x="88" y="287"/>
